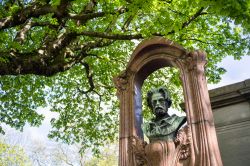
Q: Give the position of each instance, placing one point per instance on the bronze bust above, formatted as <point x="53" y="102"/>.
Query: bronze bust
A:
<point x="163" y="126"/>
<point x="165" y="147"/>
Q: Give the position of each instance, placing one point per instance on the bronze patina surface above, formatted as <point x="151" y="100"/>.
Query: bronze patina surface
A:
<point x="162" y="127"/>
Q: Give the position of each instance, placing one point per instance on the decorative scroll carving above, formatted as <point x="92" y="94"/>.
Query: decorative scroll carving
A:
<point x="176" y="156"/>
<point x="137" y="147"/>
<point x="182" y="142"/>
<point x="121" y="81"/>
<point x="194" y="58"/>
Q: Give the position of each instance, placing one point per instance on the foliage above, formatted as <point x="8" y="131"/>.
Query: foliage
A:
<point x="64" y="54"/>
<point x="108" y="156"/>
<point x="44" y="153"/>
<point x="56" y="154"/>
<point x="12" y="155"/>
<point x="19" y="97"/>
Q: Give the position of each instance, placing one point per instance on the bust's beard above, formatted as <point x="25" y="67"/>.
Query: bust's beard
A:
<point x="161" y="112"/>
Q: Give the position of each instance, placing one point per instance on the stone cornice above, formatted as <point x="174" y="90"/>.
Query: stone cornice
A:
<point x="230" y="94"/>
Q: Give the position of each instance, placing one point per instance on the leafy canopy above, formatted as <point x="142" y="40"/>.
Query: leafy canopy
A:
<point x="13" y="155"/>
<point x="63" y="54"/>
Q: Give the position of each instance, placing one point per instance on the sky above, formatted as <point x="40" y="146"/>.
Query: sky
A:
<point x="237" y="71"/>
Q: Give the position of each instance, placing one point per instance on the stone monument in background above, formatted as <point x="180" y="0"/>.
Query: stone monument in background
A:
<point x="193" y="145"/>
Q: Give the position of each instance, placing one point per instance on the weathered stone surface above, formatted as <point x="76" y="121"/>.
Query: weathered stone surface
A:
<point x="231" y="109"/>
<point x="149" y="56"/>
<point x="230" y="94"/>
<point x="163" y="153"/>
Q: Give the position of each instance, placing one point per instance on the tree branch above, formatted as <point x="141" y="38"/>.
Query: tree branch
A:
<point x="49" y="60"/>
<point x="24" y="14"/>
<point x="62" y="41"/>
<point x="28" y="25"/>
<point x="89" y="77"/>
<point x="35" y="11"/>
<point x="127" y="22"/>
<point x="192" y="18"/>
<point x="85" y="16"/>
<point x="110" y="36"/>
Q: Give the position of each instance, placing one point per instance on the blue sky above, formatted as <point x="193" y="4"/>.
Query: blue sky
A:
<point x="237" y="71"/>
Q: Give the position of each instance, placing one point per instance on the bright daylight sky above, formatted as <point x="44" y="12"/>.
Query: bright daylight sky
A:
<point x="236" y="71"/>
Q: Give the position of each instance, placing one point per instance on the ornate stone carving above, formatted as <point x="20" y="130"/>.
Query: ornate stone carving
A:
<point x="196" y="58"/>
<point x="177" y="152"/>
<point x="121" y="82"/>
<point x="137" y="147"/>
<point x="182" y="142"/>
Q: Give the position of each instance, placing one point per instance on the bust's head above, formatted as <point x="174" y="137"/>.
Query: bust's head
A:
<point x="159" y="101"/>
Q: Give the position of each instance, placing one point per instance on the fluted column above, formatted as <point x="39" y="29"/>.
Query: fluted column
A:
<point x="205" y="151"/>
<point x="123" y="85"/>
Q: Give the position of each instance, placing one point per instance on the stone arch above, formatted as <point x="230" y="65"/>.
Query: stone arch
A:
<point x="149" y="56"/>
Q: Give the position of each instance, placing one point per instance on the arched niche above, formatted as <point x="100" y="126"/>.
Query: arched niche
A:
<point x="153" y="54"/>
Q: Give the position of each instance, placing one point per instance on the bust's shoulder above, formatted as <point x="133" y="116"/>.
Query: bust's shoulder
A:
<point x="168" y="120"/>
<point x="164" y="129"/>
<point x="174" y="118"/>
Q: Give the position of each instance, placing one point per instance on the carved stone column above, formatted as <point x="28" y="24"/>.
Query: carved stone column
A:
<point x="122" y="85"/>
<point x="205" y="151"/>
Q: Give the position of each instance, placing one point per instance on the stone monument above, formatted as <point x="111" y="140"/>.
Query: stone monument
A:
<point x="194" y="145"/>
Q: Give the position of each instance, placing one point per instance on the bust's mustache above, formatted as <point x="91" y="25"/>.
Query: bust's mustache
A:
<point x="159" y="108"/>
